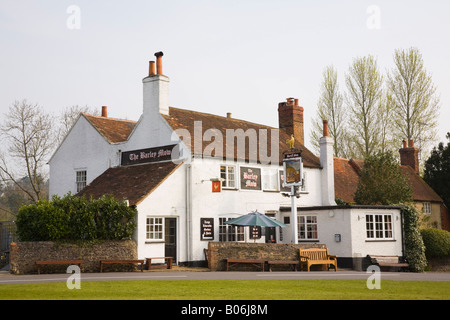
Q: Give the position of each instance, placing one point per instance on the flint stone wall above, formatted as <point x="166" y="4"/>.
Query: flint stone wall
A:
<point x="25" y="254"/>
<point x="219" y="251"/>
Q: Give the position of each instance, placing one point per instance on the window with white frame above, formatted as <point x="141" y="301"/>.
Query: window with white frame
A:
<point x="228" y="174"/>
<point x="426" y="208"/>
<point x="303" y="187"/>
<point x="228" y="232"/>
<point x="80" y="180"/>
<point x="155" y="229"/>
<point x="307" y="228"/>
<point x="270" y="179"/>
<point x="379" y="226"/>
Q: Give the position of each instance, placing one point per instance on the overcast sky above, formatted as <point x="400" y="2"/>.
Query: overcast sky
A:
<point x="240" y="56"/>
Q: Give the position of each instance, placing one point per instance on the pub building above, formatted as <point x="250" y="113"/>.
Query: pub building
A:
<point x="189" y="172"/>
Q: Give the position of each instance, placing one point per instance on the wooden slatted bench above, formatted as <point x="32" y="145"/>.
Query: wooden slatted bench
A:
<point x="120" y="261"/>
<point x="56" y="262"/>
<point x="388" y="261"/>
<point x="316" y="256"/>
<point x="168" y="261"/>
<point x="257" y="262"/>
<point x="292" y="263"/>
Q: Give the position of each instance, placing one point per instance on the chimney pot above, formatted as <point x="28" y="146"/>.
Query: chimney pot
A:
<point x="411" y="143"/>
<point x="404" y="143"/>
<point x="229" y="115"/>
<point x="158" y="56"/>
<point x="296" y="102"/>
<point x="325" y="128"/>
<point x="151" y="70"/>
<point x="104" y="111"/>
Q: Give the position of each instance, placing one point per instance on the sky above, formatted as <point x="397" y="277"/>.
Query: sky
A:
<point x="242" y="56"/>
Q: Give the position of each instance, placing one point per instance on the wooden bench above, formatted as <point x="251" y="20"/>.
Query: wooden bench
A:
<point x="168" y="261"/>
<point x="55" y="262"/>
<point x="292" y="263"/>
<point x="314" y="256"/>
<point x="257" y="262"/>
<point x="387" y="261"/>
<point x="120" y="261"/>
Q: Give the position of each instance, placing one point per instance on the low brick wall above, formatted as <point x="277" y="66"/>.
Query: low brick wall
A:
<point x="219" y="251"/>
<point x="25" y="254"/>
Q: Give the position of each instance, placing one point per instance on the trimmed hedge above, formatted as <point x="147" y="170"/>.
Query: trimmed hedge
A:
<point x="76" y="218"/>
<point x="437" y="243"/>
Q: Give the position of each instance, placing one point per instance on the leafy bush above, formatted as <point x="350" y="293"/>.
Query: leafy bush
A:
<point x="75" y="218"/>
<point x="414" y="247"/>
<point x="437" y="243"/>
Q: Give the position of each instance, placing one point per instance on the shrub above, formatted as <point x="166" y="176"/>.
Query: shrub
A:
<point x="437" y="243"/>
<point x="414" y="247"/>
<point x="75" y="218"/>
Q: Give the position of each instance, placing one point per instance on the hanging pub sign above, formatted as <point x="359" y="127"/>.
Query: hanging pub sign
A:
<point x="250" y="178"/>
<point x="157" y="154"/>
<point x="216" y="186"/>
<point x="292" y="168"/>
<point x="207" y="228"/>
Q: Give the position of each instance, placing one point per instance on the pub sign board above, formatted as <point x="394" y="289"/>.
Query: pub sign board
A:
<point x="206" y="228"/>
<point x="250" y="178"/>
<point x="148" y="155"/>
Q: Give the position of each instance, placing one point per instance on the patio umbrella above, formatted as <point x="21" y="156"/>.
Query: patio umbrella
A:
<point x="256" y="219"/>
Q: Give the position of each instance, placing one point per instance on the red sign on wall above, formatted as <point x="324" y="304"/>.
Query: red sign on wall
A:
<point x="216" y="186"/>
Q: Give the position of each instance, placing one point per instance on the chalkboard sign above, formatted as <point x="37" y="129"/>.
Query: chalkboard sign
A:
<point x="207" y="228"/>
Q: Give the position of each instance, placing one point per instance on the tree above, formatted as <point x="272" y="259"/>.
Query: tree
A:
<point x="381" y="182"/>
<point x="28" y="136"/>
<point x="331" y="108"/>
<point x="414" y="95"/>
<point x="364" y="85"/>
<point x="437" y="170"/>
<point x="68" y="117"/>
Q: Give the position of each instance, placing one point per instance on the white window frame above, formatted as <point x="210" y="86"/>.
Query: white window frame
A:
<point x="309" y="227"/>
<point x="270" y="177"/>
<point x="80" y="179"/>
<point x="228" y="183"/>
<point x="379" y="226"/>
<point x="154" y="229"/>
<point x="230" y="233"/>
<point x="426" y="208"/>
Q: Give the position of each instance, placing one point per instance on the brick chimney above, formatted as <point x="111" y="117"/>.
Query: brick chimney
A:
<point x="409" y="156"/>
<point x="156" y="89"/>
<point x="290" y="119"/>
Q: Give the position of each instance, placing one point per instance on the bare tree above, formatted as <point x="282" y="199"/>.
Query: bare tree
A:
<point x="414" y="94"/>
<point x="27" y="134"/>
<point x="364" y="85"/>
<point x="331" y="108"/>
<point x="68" y="117"/>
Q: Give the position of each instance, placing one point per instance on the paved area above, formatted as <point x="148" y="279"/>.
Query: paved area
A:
<point x="7" y="278"/>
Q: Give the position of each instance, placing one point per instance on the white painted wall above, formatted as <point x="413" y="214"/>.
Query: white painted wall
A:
<point x="82" y="149"/>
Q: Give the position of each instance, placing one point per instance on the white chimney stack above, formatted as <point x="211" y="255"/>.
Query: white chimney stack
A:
<point x="326" y="162"/>
<point x="156" y="89"/>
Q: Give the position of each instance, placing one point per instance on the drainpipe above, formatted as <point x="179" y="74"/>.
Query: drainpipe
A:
<point x="188" y="213"/>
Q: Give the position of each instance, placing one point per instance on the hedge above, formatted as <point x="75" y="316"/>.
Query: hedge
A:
<point x="76" y="218"/>
<point x="437" y="242"/>
<point x="414" y="246"/>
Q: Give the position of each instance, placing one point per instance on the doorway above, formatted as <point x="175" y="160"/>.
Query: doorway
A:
<point x="170" y="232"/>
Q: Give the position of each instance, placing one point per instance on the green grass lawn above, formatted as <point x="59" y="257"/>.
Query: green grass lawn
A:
<point x="229" y="290"/>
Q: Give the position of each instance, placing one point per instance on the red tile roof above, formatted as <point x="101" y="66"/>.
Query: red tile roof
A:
<point x="113" y="130"/>
<point x="184" y="119"/>
<point x="346" y="176"/>
<point x="132" y="183"/>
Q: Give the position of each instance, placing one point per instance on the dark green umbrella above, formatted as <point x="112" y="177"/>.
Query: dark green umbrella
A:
<point x="256" y="219"/>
